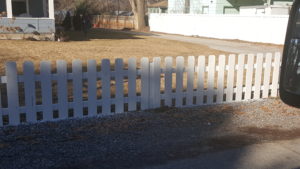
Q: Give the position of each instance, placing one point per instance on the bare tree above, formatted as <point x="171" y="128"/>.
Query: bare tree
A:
<point x="138" y="9"/>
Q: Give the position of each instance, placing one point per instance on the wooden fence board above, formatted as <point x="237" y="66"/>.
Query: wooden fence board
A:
<point x="190" y="80"/>
<point x="29" y="87"/>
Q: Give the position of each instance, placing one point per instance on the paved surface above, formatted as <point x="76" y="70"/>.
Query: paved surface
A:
<point x="275" y="155"/>
<point x="218" y="44"/>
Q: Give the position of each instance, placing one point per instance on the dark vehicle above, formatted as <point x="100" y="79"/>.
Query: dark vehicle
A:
<point x="290" y="68"/>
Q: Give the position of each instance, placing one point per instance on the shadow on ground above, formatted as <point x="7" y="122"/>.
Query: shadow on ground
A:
<point x="93" y="34"/>
<point x="134" y="140"/>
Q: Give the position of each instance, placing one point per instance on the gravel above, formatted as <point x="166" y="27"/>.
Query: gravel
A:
<point x="140" y="139"/>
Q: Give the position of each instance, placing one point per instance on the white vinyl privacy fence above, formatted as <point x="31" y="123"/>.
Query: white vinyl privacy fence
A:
<point x="83" y="90"/>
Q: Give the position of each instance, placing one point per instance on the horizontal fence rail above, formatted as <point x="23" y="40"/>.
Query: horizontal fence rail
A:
<point x="103" y="89"/>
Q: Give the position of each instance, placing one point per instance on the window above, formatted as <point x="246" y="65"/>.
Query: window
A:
<point x="20" y="7"/>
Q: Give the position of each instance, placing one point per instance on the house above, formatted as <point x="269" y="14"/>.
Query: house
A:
<point x="159" y="7"/>
<point x="219" y="6"/>
<point x="21" y="19"/>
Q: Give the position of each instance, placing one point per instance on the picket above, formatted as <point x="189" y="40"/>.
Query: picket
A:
<point x="46" y="84"/>
<point x="105" y="79"/>
<point x="29" y="88"/>
<point x="119" y="86"/>
<point x="230" y="78"/>
<point x="240" y="77"/>
<point x="132" y="99"/>
<point x="221" y="71"/>
<point x="179" y="81"/>
<point x="77" y="88"/>
<point x="155" y="83"/>
<point x="149" y="74"/>
<point x="249" y="77"/>
<point x="211" y="79"/>
<point x="190" y="80"/>
<point x="62" y="93"/>
<point x="168" y="81"/>
<point x="275" y="75"/>
<point x="267" y="74"/>
<point x="200" y="82"/>
<point x="92" y="87"/>
<point x="12" y="93"/>
<point x="145" y="75"/>
<point x="258" y="72"/>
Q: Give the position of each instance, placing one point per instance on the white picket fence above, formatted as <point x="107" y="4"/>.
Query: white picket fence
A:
<point x="150" y="85"/>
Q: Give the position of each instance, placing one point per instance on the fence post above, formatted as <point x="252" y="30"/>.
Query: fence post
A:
<point x="145" y="87"/>
<point x="12" y="93"/>
<point x="77" y="88"/>
<point x="179" y="81"/>
<point x="132" y="99"/>
<point x="29" y="86"/>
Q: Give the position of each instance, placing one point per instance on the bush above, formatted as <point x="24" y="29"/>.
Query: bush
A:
<point x="67" y="24"/>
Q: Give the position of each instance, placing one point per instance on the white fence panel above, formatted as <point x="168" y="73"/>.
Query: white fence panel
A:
<point x="91" y="90"/>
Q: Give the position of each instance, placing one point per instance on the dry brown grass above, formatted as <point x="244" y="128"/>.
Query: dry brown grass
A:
<point x="97" y="45"/>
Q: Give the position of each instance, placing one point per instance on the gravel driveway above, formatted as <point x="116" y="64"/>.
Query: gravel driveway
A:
<point x="141" y="139"/>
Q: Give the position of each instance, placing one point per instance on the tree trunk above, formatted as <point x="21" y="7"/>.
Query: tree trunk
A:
<point x="138" y="9"/>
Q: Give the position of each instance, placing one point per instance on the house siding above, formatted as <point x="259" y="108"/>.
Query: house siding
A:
<point x="28" y="25"/>
<point x="217" y="6"/>
<point x="235" y="5"/>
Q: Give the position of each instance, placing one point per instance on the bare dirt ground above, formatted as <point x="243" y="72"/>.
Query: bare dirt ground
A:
<point x="143" y="139"/>
<point x="97" y="45"/>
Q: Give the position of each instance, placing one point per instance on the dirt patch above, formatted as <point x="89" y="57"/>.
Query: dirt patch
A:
<point x="271" y="133"/>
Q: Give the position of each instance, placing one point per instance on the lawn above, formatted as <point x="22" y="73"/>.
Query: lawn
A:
<point x="97" y="45"/>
